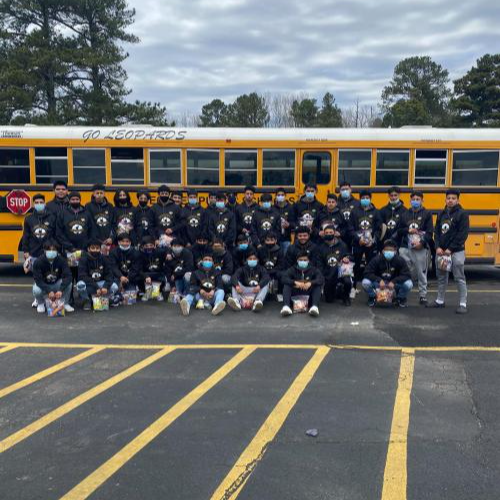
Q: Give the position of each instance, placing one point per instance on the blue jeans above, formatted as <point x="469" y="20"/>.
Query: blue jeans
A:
<point x="402" y="289"/>
<point x="40" y="295"/>
<point x="182" y="284"/>
<point x="85" y="291"/>
<point x="218" y="297"/>
<point x="284" y="246"/>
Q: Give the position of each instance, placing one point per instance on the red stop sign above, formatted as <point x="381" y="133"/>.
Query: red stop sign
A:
<point x="18" y="201"/>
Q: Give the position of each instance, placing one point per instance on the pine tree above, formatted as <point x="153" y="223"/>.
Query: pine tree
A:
<point x="304" y="113"/>
<point x="330" y="114"/>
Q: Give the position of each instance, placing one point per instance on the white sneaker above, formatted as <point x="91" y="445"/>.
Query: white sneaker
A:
<point x="68" y="308"/>
<point x="218" y="308"/>
<point x="160" y="298"/>
<point x="279" y="298"/>
<point x="257" y="306"/>
<point x="234" y="304"/>
<point x="34" y="304"/>
<point x="286" y="311"/>
<point x="40" y="308"/>
<point x="352" y="295"/>
<point x="314" y="311"/>
<point x="185" y="307"/>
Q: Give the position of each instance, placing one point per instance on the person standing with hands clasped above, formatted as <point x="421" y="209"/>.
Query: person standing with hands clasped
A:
<point x="450" y="234"/>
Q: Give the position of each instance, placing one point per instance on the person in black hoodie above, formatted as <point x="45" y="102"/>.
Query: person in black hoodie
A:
<point x="223" y="261"/>
<point x="200" y="248"/>
<point x="102" y="216"/>
<point x="241" y="250"/>
<point x="74" y="225"/>
<point x="144" y="223"/>
<point x="95" y="276"/>
<point x="251" y="279"/>
<point x="303" y="278"/>
<point x="124" y="215"/>
<point x="152" y="267"/>
<point x="60" y="201"/>
<point x="126" y="263"/>
<point x="392" y="215"/>
<point x="287" y="225"/>
<point x="365" y="229"/>
<point x="194" y="219"/>
<point x="347" y="203"/>
<point x="302" y="244"/>
<point x="332" y="253"/>
<point x="206" y="288"/>
<point x="39" y="227"/>
<point x="271" y="258"/>
<point x="265" y="219"/>
<point x="51" y="274"/>
<point x="166" y="214"/>
<point x="387" y="270"/>
<point x="450" y="234"/>
<point x="245" y="211"/>
<point x="222" y="222"/>
<point x="415" y="233"/>
<point x="307" y="210"/>
<point x="331" y="216"/>
<point x="179" y="265"/>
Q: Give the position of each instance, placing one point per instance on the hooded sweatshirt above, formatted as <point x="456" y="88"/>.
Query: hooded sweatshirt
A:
<point x="48" y="272"/>
<point x="73" y="229"/>
<point x="91" y="270"/>
<point x="452" y="229"/>
<point x="38" y="228"/>
<point x="102" y="216"/>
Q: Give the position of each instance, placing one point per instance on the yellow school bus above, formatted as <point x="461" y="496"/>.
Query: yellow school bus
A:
<point x="424" y="158"/>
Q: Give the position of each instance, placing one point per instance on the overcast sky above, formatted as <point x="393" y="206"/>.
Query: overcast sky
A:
<point x="193" y="51"/>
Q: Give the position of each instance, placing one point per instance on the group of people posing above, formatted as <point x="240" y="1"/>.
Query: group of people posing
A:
<point x="240" y="254"/>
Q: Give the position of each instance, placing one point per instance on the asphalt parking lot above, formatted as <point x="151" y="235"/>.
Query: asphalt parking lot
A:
<point x="142" y="403"/>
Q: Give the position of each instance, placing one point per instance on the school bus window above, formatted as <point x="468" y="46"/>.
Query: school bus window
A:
<point x="316" y="167"/>
<point x="392" y="168"/>
<point x="127" y="166"/>
<point x="203" y="167"/>
<point x="355" y="166"/>
<point x="240" y="168"/>
<point x="14" y="166"/>
<point x="164" y="166"/>
<point x="475" y="168"/>
<point x="278" y="168"/>
<point x="430" y="167"/>
<point x="89" y="166"/>
<point x="51" y="164"/>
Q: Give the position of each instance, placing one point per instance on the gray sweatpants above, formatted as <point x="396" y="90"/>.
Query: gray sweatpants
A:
<point x="418" y="262"/>
<point x="458" y="270"/>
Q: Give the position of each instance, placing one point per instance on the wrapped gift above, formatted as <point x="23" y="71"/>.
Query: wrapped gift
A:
<point x="55" y="308"/>
<point x="129" y="297"/>
<point x="444" y="263"/>
<point x="366" y="237"/>
<point x="164" y="241"/>
<point x="100" y="303"/>
<point x="346" y="269"/>
<point x="74" y="258"/>
<point x="384" y="296"/>
<point x="247" y="300"/>
<point x="105" y="250"/>
<point x="415" y="240"/>
<point x="300" y="303"/>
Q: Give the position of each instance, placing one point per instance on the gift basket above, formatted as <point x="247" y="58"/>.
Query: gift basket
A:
<point x="100" y="303"/>
<point x="300" y="303"/>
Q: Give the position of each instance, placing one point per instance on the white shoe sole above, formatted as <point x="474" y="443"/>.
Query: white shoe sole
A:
<point x="218" y="308"/>
<point x="233" y="304"/>
<point x="185" y="308"/>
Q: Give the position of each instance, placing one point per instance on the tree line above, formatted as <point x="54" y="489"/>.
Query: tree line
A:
<point x="61" y="63"/>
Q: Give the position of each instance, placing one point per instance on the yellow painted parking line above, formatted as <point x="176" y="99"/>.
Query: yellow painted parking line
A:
<point x="234" y="482"/>
<point x="106" y="470"/>
<point x="395" y="474"/>
<point x="15" y="285"/>
<point x="49" y="371"/>
<point x="7" y="348"/>
<point x="42" y="422"/>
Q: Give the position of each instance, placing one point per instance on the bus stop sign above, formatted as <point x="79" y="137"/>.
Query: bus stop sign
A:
<point x="18" y="201"/>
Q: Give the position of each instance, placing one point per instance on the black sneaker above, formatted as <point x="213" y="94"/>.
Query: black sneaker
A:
<point x="402" y="303"/>
<point x="371" y="302"/>
<point x="435" y="305"/>
<point x="423" y="301"/>
<point x="87" y="306"/>
<point x="461" y="310"/>
<point x="347" y="302"/>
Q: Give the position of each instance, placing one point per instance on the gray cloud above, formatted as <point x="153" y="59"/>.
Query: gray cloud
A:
<point x="196" y="50"/>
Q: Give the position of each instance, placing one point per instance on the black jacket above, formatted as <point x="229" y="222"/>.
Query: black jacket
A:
<point x="271" y="259"/>
<point x="263" y="222"/>
<point x="223" y="262"/>
<point x="152" y="264"/>
<point x="420" y="219"/>
<point x="38" y="228"/>
<point x="287" y="213"/>
<point x="347" y="206"/>
<point x="46" y="272"/>
<point x="57" y="206"/>
<point x="167" y="216"/>
<point x="73" y="229"/>
<point x="124" y="222"/>
<point x="126" y="264"/>
<point x="251" y="276"/>
<point x="365" y="220"/>
<point x="329" y="257"/>
<point x="312" y="274"/>
<point x="244" y="217"/>
<point x="392" y="216"/>
<point x="335" y="219"/>
<point x="452" y="229"/>
<point x="222" y="225"/>
<point x="92" y="270"/>
<point x="179" y="265"/>
<point x="205" y="280"/>
<point x="240" y="256"/>
<point x="305" y="213"/>
<point x="294" y="250"/>
<point x="199" y="251"/>
<point x="102" y="217"/>
<point x="194" y="223"/>
<point x="144" y="223"/>
<point x="395" y="270"/>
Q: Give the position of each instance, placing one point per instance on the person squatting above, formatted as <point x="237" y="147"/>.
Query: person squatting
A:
<point x="241" y="254"/>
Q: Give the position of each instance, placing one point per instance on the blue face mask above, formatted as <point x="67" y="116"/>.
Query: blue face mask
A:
<point x="303" y="264"/>
<point x="207" y="264"/>
<point x="192" y="201"/>
<point x="51" y="254"/>
<point x="266" y="205"/>
<point x="345" y="193"/>
<point x="40" y="207"/>
<point x="252" y="263"/>
<point x="309" y="195"/>
<point x="416" y="204"/>
<point x="389" y="254"/>
<point x="243" y="246"/>
<point x="220" y="204"/>
<point x="365" y="202"/>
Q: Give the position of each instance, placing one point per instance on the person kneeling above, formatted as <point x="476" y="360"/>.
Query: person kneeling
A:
<point x="206" y="288"/>
<point x="302" y="279"/>
<point x="387" y="272"/>
<point x="95" y="276"/>
<point x="250" y="285"/>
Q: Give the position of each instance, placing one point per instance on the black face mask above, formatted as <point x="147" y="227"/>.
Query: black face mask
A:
<point x="143" y="203"/>
<point x="75" y="205"/>
<point x="270" y="245"/>
<point x="164" y="198"/>
<point x="123" y="201"/>
<point x="329" y="237"/>
<point x="94" y="254"/>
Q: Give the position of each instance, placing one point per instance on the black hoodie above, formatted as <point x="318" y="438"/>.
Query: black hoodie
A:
<point x="244" y="216"/>
<point x="271" y="258"/>
<point x="194" y="223"/>
<point x="334" y="218"/>
<point x="347" y="206"/>
<point x="153" y="265"/>
<point x="365" y="220"/>
<point x="144" y="224"/>
<point x="329" y="257"/>
<point x="296" y="249"/>
<point x="73" y="229"/>
<point x="222" y="225"/>
<point x="306" y="213"/>
<point x="124" y="221"/>
<point x="38" y="228"/>
<point x="395" y="270"/>
<point x="452" y="229"/>
<point x="251" y="276"/>
<point x="167" y="216"/>
<point x="102" y="216"/>
<point x="263" y="222"/>
<point x="420" y="219"/>
<point x="287" y="213"/>
<point x="392" y="217"/>
<point x="57" y="206"/>
<point x="223" y="262"/>
<point x="47" y="272"/>
<point x="179" y="265"/>
<point x="126" y="263"/>
<point x="207" y="280"/>
<point x="312" y="275"/>
<point x="94" y="269"/>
